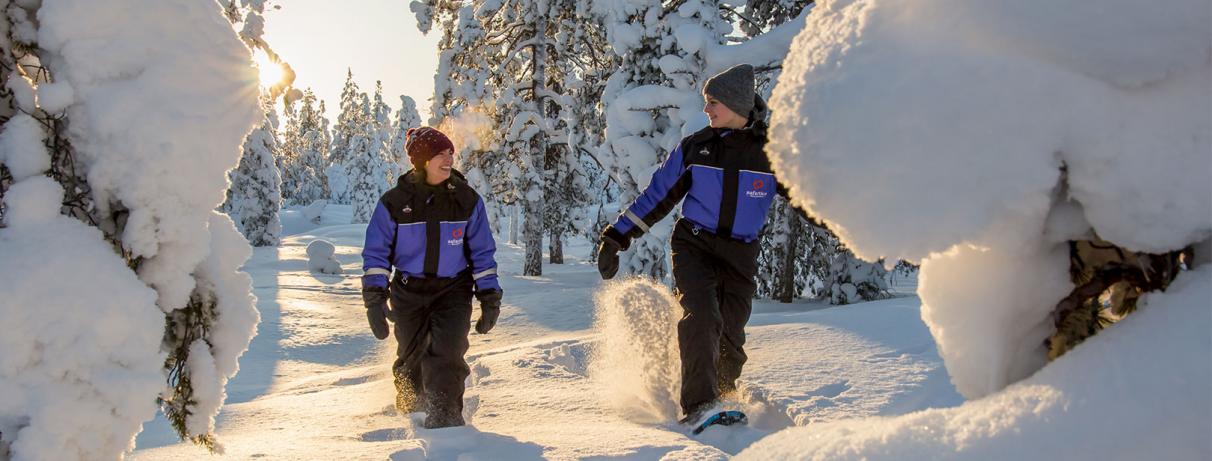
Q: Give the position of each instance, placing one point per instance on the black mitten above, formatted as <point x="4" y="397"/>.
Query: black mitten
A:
<point x="375" y="299"/>
<point x="490" y="309"/>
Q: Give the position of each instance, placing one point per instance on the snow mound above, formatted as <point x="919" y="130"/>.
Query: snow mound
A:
<point x="987" y="135"/>
<point x="1064" y="405"/>
<point x="636" y="363"/>
<point x="320" y="257"/>
<point x="964" y="112"/>
<point x="461" y="443"/>
<point x="313" y="211"/>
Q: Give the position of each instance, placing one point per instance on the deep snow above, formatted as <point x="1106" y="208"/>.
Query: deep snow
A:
<point x="315" y="384"/>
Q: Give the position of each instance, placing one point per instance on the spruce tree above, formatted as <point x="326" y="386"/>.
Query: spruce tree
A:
<point x="406" y="118"/>
<point x="313" y="154"/>
<point x="254" y="197"/>
<point x="367" y="168"/>
<point x="350" y="124"/>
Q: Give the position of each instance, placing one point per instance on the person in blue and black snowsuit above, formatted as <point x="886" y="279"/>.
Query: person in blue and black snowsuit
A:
<point x="724" y="175"/>
<point x="432" y="228"/>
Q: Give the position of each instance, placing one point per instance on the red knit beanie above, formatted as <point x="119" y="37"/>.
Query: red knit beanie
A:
<point x="424" y="143"/>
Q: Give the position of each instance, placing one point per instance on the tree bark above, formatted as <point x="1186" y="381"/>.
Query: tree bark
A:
<point x="555" y="248"/>
<point x="786" y="291"/>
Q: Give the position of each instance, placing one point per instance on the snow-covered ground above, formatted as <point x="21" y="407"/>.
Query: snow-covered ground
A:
<point x="315" y="384"/>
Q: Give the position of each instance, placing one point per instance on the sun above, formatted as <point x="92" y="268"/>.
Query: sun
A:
<point x="271" y="73"/>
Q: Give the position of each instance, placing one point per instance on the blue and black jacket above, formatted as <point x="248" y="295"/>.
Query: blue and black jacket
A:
<point x="429" y="231"/>
<point x="723" y="174"/>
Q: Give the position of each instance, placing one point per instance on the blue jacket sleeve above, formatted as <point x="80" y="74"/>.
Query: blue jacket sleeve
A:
<point x="668" y="186"/>
<point x="482" y="249"/>
<point x="376" y="251"/>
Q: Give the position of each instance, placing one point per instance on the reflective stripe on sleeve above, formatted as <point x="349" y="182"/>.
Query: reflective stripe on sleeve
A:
<point x="378" y="271"/>
<point x="636" y="220"/>
<point x="486" y="273"/>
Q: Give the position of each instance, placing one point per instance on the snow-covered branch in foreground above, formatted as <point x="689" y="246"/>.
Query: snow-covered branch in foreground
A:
<point x="162" y="94"/>
<point x="999" y="131"/>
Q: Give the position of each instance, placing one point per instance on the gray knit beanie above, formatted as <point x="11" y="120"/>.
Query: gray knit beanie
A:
<point x="733" y="88"/>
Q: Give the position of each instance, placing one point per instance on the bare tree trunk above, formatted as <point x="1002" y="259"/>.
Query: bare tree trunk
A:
<point x="555" y="248"/>
<point x="786" y="283"/>
<point x="532" y="237"/>
<point x="533" y="228"/>
<point x="515" y="222"/>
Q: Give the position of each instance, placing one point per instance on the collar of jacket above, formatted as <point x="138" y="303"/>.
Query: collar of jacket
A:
<point x="456" y="186"/>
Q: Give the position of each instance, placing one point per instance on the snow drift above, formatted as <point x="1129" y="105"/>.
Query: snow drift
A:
<point x="1066" y="411"/>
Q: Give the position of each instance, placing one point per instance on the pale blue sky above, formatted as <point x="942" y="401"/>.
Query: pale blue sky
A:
<point x="378" y="39"/>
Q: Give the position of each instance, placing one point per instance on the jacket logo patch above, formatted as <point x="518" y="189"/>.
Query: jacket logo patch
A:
<point x="704" y="151"/>
<point x="407" y="209"/>
<point x="456" y="237"/>
<point x="757" y="191"/>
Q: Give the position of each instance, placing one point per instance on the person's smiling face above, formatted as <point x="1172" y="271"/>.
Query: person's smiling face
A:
<point x="438" y="168"/>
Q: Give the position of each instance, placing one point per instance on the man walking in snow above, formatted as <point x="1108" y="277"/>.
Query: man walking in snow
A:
<point x="726" y="180"/>
<point x="433" y="230"/>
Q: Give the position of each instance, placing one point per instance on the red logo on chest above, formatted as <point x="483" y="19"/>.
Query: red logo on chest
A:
<point x="457" y="233"/>
<point x="758" y="184"/>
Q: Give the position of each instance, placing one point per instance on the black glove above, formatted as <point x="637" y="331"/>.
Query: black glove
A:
<point x="375" y="299"/>
<point x="608" y="256"/>
<point x="490" y="308"/>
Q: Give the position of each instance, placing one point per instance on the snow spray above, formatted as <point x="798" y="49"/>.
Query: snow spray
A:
<point x="636" y="364"/>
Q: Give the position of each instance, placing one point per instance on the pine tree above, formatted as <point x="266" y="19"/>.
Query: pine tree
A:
<point x="288" y="155"/>
<point x="254" y="197"/>
<point x="350" y="124"/>
<point x="367" y="168"/>
<point x="314" y="145"/>
<point x="406" y="118"/>
<point x="381" y="115"/>
<point x="651" y="98"/>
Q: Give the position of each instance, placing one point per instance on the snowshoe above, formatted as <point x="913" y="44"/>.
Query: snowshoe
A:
<point x="723" y="418"/>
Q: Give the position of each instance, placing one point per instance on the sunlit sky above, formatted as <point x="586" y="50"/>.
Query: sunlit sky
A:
<point x="377" y="39"/>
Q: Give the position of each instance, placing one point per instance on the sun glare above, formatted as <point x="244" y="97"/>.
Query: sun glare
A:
<point x="271" y="72"/>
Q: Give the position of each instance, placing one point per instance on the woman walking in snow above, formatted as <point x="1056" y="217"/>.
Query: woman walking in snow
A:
<point x="432" y="228"/>
<point x="725" y="177"/>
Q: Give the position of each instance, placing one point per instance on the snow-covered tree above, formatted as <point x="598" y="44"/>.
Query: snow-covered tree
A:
<point x="653" y="100"/>
<point x="384" y="131"/>
<point x="406" y="117"/>
<point x="131" y="204"/>
<point x="254" y="197"/>
<point x="313" y="157"/>
<point x="366" y="166"/>
<point x="509" y="62"/>
<point x="351" y="123"/>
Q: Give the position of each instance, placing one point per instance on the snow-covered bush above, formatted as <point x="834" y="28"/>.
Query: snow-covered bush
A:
<point x="320" y="257"/>
<point x="314" y="211"/>
<point x="110" y="233"/>
<point x="973" y="109"/>
<point x="1009" y="129"/>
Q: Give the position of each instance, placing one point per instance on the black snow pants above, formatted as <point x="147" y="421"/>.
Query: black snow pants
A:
<point x="715" y="285"/>
<point x="432" y="319"/>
